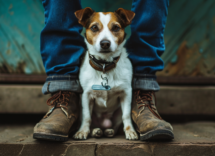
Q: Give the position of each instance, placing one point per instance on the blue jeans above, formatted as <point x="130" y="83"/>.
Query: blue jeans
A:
<point x="62" y="45"/>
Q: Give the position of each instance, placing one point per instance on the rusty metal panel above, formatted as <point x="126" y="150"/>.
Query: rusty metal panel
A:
<point x="189" y="36"/>
<point x="20" y="24"/>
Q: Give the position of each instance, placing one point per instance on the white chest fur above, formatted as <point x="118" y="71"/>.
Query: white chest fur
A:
<point x="106" y="101"/>
<point x="119" y="79"/>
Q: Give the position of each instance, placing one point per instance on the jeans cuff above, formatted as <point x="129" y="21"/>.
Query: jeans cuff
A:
<point x="145" y="82"/>
<point x="61" y="82"/>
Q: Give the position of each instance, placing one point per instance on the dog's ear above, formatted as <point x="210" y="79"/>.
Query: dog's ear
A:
<point x="83" y="15"/>
<point x="125" y="15"/>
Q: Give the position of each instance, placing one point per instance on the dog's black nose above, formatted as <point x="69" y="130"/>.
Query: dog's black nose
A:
<point x="105" y="44"/>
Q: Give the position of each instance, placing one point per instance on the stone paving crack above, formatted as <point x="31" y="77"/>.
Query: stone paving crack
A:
<point x="64" y="154"/>
<point x="21" y="150"/>
<point x="95" y="150"/>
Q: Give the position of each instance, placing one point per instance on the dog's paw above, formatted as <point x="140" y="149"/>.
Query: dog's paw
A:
<point x="96" y="132"/>
<point x="131" y="135"/>
<point x="81" y="135"/>
<point x="109" y="133"/>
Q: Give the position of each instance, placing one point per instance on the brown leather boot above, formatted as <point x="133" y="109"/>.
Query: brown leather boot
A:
<point x="56" y="124"/>
<point x="145" y="115"/>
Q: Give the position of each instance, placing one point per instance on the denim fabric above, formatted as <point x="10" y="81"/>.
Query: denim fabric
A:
<point x="146" y="43"/>
<point x="145" y="82"/>
<point x="61" y="42"/>
<point x="61" y="82"/>
<point x="62" y="45"/>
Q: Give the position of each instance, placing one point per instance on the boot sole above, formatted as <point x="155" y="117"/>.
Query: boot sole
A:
<point x="159" y="134"/>
<point x="50" y="137"/>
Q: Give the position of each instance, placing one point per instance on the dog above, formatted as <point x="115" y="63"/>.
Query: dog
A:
<point x="108" y="104"/>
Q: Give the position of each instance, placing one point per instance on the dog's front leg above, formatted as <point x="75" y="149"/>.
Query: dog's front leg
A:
<point x="125" y="100"/>
<point x="87" y="107"/>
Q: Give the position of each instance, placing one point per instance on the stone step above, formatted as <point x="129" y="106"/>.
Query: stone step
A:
<point x="193" y="139"/>
<point x="172" y="100"/>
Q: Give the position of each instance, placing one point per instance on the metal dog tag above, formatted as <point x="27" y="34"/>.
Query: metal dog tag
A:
<point x="100" y="87"/>
<point x="104" y="84"/>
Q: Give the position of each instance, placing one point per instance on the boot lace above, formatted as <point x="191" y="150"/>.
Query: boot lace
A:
<point x="59" y="100"/>
<point x="146" y="96"/>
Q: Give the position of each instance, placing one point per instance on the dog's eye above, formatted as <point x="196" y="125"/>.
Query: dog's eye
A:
<point x="94" y="28"/>
<point x="115" y="28"/>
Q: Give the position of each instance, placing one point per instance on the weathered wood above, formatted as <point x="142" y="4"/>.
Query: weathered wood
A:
<point x="186" y="100"/>
<point x="20" y="26"/>
<point x="189" y="39"/>
<point x="163" y="80"/>
<point x="193" y="139"/>
<point x="170" y="100"/>
<point x="22" y="78"/>
<point x="22" y="99"/>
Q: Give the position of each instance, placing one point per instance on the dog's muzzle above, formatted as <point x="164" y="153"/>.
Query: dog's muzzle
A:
<point x="105" y="44"/>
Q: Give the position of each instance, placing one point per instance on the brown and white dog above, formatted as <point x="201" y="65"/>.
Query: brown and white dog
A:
<point x="105" y="38"/>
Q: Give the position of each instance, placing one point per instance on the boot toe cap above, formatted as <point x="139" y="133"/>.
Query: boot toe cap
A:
<point x="154" y="125"/>
<point x="50" y="129"/>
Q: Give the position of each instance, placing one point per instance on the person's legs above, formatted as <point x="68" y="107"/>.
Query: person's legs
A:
<point x="61" y="45"/>
<point x="145" y="46"/>
<point x="61" y="48"/>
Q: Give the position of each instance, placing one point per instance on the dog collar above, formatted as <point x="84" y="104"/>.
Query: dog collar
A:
<point x="101" y="65"/>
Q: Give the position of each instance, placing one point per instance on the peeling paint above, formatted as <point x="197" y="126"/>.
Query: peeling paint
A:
<point x="20" y="37"/>
<point x="10" y="7"/>
<point x="214" y="20"/>
<point x="190" y="37"/>
<point x="190" y="62"/>
<point x="8" y="51"/>
<point x="6" y="68"/>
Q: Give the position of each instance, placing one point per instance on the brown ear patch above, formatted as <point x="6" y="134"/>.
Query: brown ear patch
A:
<point x="83" y="15"/>
<point x="90" y="35"/>
<point x="125" y="15"/>
<point x="116" y="20"/>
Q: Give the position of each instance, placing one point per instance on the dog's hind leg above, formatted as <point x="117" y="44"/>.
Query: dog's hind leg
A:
<point x="117" y="121"/>
<point x="96" y="133"/>
<point x="109" y="133"/>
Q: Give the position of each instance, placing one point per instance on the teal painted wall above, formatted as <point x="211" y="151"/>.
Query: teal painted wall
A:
<point x="20" y="24"/>
<point x="190" y="39"/>
<point x="189" y="35"/>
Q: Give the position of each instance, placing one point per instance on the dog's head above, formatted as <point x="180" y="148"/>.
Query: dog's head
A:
<point x="104" y="30"/>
